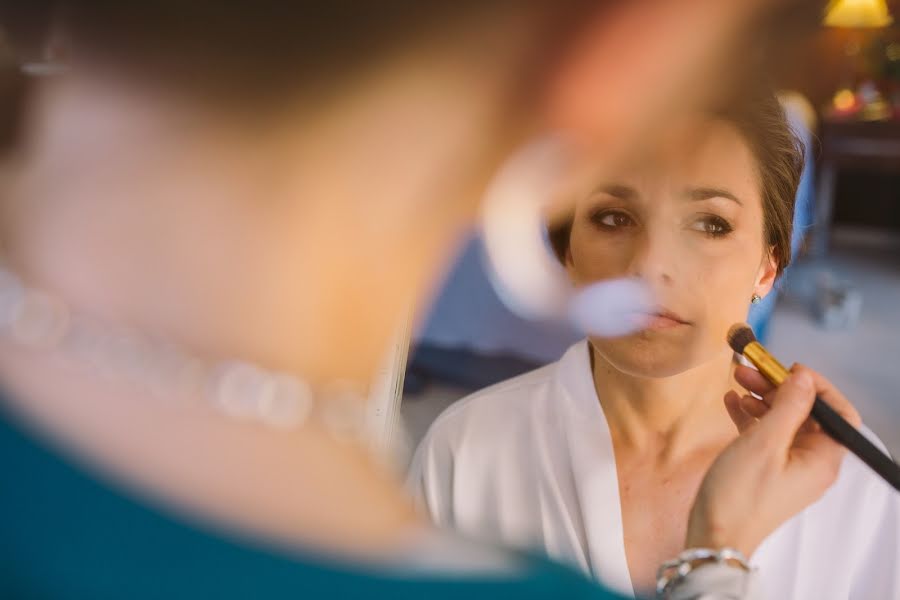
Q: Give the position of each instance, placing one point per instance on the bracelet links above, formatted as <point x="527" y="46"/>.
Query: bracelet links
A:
<point x="673" y="571"/>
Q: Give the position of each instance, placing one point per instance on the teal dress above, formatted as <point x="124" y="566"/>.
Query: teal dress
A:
<point x="64" y="534"/>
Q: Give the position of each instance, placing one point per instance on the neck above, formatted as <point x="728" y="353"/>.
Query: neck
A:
<point x="667" y="416"/>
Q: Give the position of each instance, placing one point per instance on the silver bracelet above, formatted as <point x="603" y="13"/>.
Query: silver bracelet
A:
<point x="673" y="571"/>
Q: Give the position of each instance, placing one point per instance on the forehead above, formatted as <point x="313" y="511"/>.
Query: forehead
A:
<point x="705" y="153"/>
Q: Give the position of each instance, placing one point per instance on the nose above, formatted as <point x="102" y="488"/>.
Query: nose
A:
<point x="653" y="258"/>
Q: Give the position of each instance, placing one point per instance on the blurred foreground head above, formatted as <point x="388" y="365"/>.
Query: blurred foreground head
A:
<point x="281" y="182"/>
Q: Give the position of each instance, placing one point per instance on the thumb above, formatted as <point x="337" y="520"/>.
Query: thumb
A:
<point x="791" y="405"/>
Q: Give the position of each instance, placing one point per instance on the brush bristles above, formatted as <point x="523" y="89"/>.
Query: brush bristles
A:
<point x="739" y="336"/>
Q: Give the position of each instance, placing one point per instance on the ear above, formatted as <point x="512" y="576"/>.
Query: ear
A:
<point x="768" y="271"/>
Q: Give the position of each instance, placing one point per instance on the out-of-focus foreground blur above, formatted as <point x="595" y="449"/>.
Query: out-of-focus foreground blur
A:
<point x="217" y="219"/>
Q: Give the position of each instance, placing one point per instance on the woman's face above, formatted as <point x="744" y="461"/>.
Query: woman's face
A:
<point x="689" y="221"/>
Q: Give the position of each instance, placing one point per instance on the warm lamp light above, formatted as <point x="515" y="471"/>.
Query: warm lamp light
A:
<point x="844" y="100"/>
<point x="857" y="99"/>
<point x="857" y="14"/>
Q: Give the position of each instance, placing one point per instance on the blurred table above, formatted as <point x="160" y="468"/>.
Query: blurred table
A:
<point x="859" y="145"/>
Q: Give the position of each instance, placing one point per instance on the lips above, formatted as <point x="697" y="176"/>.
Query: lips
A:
<point x="664" y="319"/>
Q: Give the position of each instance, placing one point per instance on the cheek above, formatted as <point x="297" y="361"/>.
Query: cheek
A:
<point x="721" y="265"/>
<point x="721" y="295"/>
<point x="596" y="256"/>
<point x="712" y="281"/>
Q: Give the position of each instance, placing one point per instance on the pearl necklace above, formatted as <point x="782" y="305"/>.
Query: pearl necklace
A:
<point x="238" y="389"/>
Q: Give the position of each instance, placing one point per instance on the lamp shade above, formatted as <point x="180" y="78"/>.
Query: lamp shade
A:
<point x="857" y="13"/>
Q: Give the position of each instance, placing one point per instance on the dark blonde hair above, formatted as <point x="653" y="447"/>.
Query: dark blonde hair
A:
<point x="779" y="157"/>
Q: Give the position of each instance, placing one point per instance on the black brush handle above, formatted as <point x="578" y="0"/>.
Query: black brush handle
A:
<point x="844" y="433"/>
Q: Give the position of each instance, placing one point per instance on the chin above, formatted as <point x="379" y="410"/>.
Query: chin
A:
<point x="649" y="354"/>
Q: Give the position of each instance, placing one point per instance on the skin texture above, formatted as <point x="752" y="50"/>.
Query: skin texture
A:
<point x="687" y="219"/>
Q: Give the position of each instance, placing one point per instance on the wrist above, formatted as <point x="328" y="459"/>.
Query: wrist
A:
<point x="706" y="532"/>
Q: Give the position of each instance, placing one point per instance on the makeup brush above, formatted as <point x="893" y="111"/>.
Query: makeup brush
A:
<point x="742" y="341"/>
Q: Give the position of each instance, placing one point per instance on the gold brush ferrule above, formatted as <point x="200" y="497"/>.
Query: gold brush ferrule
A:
<point x="773" y="370"/>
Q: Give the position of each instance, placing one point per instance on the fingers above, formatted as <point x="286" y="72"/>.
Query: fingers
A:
<point x="753" y="380"/>
<point x="791" y="405"/>
<point x="754" y="406"/>
<point x="830" y="394"/>
<point x="822" y="451"/>
<point x="744" y="410"/>
<point x="742" y="420"/>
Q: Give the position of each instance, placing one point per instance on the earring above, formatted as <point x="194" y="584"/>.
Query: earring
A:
<point x="755" y="299"/>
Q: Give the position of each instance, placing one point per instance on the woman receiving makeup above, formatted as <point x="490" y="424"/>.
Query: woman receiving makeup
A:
<point x="596" y="458"/>
<point x="213" y="215"/>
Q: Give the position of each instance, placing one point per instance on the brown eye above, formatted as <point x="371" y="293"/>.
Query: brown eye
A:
<point x="612" y="219"/>
<point x="713" y="226"/>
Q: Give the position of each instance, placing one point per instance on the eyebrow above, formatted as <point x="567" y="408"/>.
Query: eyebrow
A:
<point x="622" y="192"/>
<point x="705" y="193"/>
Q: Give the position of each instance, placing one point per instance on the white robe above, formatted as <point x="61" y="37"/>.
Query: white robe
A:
<point x="529" y="462"/>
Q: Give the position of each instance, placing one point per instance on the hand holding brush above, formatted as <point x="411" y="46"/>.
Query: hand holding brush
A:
<point x="825" y="409"/>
